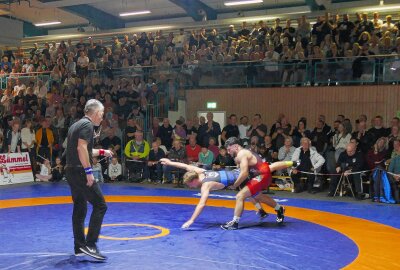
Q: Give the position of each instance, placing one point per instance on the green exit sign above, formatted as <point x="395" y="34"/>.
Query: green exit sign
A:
<point x="211" y="105"/>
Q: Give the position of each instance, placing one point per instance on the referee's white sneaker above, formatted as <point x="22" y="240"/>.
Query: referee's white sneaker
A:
<point x="93" y="252"/>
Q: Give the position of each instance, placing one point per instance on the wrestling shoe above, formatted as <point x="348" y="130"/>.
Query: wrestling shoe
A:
<point x="78" y="252"/>
<point x="230" y="225"/>
<point x="261" y="214"/>
<point x="296" y="164"/>
<point x="94" y="252"/>
<point x="280" y="215"/>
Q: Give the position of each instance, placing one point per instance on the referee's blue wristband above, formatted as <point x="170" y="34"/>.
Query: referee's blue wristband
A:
<point x="88" y="170"/>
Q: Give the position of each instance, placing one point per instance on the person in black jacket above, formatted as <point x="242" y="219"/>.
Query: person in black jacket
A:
<point x="165" y="133"/>
<point x="13" y="139"/>
<point x="223" y="160"/>
<point x="208" y="130"/>
<point x="349" y="163"/>
<point x="154" y="170"/>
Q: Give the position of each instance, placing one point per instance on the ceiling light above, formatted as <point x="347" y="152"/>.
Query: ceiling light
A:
<point x="134" y="13"/>
<point x="243" y="2"/>
<point x="47" y="23"/>
<point x="382" y="8"/>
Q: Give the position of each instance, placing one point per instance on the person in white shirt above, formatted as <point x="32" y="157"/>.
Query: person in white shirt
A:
<point x="180" y="39"/>
<point x="28" y="67"/>
<point x="388" y="26"/>
<point x="19" y="86"/>
<point x="271" y="61"/>
<point x="82" y="64"/>
<point x="6" y="100"/>
<point x="45" y="172"/>
<point x="28" y="141"/>
<point x="340" y="140"/>
<point x="115" y="170"/>
<point x="377" y="23"/>
<point x="41" y="90"/>
<point x="243" y="127"/>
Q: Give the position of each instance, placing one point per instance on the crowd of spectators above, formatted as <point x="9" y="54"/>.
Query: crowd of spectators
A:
<point x="129" y="74"/>
<point x="354" y="149"/>
<point x="332" y="39"/>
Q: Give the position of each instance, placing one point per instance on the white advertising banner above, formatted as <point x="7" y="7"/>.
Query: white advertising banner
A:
<point x="15" y="168"/>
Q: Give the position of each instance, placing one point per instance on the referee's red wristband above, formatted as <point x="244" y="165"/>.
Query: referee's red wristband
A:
<point x="101" y="152"/>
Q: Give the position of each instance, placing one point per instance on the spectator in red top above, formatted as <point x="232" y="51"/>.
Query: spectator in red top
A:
<point x="193" y="150"/>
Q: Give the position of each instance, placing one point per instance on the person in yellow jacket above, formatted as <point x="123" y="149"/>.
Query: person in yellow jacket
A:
<point x="137" y="152"/>
<point x="44" y="140"/>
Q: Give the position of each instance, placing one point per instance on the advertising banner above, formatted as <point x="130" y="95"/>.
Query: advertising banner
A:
<point x="15" y="168"/>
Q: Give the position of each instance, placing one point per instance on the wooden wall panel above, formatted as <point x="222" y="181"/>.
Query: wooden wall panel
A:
<point x="296" y="102"/>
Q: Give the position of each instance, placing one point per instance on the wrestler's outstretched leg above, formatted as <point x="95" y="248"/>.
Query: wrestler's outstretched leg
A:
<point x="281" y="165"/>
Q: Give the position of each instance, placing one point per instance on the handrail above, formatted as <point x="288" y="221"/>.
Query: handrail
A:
<point x="238" y="63"/>
<point x="312" y="70"/>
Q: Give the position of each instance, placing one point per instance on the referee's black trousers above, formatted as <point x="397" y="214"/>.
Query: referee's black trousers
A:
<point x="81" y="194"/>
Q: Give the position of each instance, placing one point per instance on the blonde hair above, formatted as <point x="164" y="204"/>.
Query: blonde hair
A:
<point x="189" y="177"/>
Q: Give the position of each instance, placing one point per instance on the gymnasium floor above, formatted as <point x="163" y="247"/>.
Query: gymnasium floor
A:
<point x="141" y="230"/>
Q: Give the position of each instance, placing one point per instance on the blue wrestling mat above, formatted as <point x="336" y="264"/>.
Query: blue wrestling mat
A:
<point x="141" y="230"/>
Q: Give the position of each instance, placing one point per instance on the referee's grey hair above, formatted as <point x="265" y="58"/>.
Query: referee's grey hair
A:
<point x="93" y="105"/>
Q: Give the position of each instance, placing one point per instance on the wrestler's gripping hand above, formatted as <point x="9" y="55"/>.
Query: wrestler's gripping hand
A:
<point x="231" y="187"/>
<point x="108" y="153"/>
<point x="165" y="161"/>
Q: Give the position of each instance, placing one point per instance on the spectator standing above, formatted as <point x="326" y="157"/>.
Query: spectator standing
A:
<point x="28" y="142"/>
<point x="257" y="128"/>
<point x="208" y="130"/>
<point x="13" y="138"/>
<point x="243" y="127"/>
<point x="165" y="133"/>
<point x="230" y="130"/>
<point x="44" y="140"/>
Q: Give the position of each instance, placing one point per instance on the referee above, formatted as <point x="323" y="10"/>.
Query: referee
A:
<point x="80" y="178"/>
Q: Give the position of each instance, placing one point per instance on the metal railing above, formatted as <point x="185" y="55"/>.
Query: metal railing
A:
<point x="381" y="69"/>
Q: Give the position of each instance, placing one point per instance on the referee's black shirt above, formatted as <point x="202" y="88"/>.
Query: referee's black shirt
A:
<point x="83" y="129"/>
